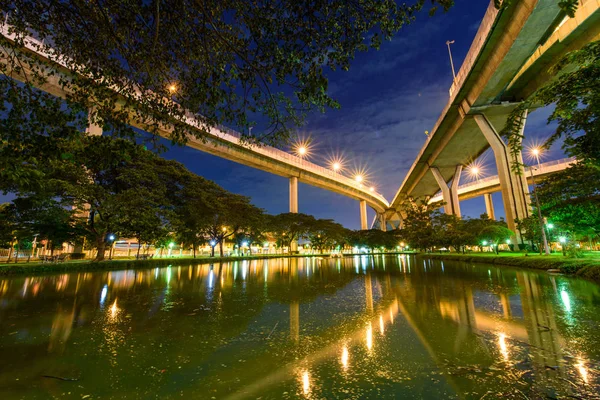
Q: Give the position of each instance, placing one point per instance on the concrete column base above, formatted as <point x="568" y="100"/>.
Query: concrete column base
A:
<point x="489" y="206"/>
<point x="382" y="222"/>
<point x="449" y="193"/>
<point x="294" y="194"/>
<point x="363" y="215"/>
<point x="515" y="192"/>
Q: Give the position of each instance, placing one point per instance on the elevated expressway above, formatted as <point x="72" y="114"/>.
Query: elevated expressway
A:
<point x="486" y="186"/>
<point x="226" y="143"/>
<point x="509" y="59"/>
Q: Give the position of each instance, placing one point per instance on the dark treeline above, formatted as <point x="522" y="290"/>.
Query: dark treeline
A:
<point x="90" y="191"/>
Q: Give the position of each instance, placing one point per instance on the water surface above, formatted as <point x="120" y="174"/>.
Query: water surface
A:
<point x="309" y="328"/>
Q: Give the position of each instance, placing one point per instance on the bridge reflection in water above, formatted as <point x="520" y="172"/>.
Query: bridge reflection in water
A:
<point x="358" y="327"/>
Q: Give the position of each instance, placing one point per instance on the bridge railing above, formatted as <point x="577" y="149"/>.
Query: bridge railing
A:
<point x="233" y="136"/>
<point x="299" y="162"/>
<point x="542" y="169"/>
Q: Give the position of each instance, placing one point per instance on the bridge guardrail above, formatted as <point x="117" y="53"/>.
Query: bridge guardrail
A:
<point x="543" y="169"/>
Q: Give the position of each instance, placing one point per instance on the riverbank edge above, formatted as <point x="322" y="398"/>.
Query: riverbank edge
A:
<point x="588" y="269"/>
<point x="108" y="265"/>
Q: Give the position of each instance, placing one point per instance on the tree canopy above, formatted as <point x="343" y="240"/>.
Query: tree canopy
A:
<point x="575" y="96"/>
<point x="228" y="62"/>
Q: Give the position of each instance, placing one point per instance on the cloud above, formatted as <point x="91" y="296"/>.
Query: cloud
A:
<point x="384" y="132"/>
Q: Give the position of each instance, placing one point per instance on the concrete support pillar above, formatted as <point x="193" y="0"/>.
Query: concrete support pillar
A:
<point x="363" y="215"/>
<point x="515" y="192"/>
<point x="294" y="194"/>
<point x="449" y="193"/>
<point x="489" y="206"/>
<point x="294" y="207"/>
<point x="382" y="222"/>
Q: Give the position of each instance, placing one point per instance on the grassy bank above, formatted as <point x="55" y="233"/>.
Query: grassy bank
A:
<point x="587" y="267"/>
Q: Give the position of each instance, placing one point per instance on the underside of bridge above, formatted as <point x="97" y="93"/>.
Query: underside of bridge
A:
<point x="510" y="58"/>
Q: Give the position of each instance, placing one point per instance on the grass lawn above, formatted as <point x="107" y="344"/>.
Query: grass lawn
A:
<point x="587" y="267"/>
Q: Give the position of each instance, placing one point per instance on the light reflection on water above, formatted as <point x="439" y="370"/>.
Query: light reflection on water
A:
<point x="301" y="328"/>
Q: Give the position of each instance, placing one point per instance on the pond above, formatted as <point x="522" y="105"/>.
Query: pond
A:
<point x="363" y="327"/>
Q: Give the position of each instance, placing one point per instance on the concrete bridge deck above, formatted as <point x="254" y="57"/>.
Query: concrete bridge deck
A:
<point x="509" y="59"/>
<point x="510" y="48"/>
<point x="226" y="143"/>
<point x="491" y="184"/>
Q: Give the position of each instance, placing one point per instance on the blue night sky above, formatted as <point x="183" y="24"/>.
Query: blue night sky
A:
<point x="388" y="99"/>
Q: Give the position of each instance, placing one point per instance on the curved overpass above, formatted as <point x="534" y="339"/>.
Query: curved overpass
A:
<point x="491" y="184"/>
<point x="225" y="143"/>
<point x="509" y="59"/>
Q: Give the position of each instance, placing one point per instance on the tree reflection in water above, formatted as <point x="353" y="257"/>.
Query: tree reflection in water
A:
<point x="358" y="327"/>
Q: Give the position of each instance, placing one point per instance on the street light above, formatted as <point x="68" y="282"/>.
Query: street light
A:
<point x="111" y="239"/>
<point x="358" y="178"/>
<point x="475" y="170"/>
<point x="448" y="43"/>
<point x="172" y="88"/>
<point x="550" y="226"/>
<point x="336" y="166"/>
<point x="372" y="189"/>
<point x="302" y="148"/>
<point x="536" y="152"/>
<point x="563" y="242"/>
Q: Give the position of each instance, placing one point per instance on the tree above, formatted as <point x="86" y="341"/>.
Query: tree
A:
<point x="50" y="220"/>
<point x="418" y="228"/>
<point x="373" y="239"/>
<point x="531" y="231"/>
<point x="107" y="179"/>
<point x="225" y="60"/>
<point x="574" y="95"/>
<point x="289" y="227"/>
<point x="494" y="235"/>
<point x="570" y="199"/>
<point x="230" y="214"/>
<point x="45" y="218"/>
<point x="451" y="231"/>
<point x="8" y="227"/>
<point x="194" y="204"/>
<point x="326" y="234"/>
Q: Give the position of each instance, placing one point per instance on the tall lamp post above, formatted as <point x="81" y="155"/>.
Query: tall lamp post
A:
<point x="448" y="43"/>
<point x="535" y="152"/>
